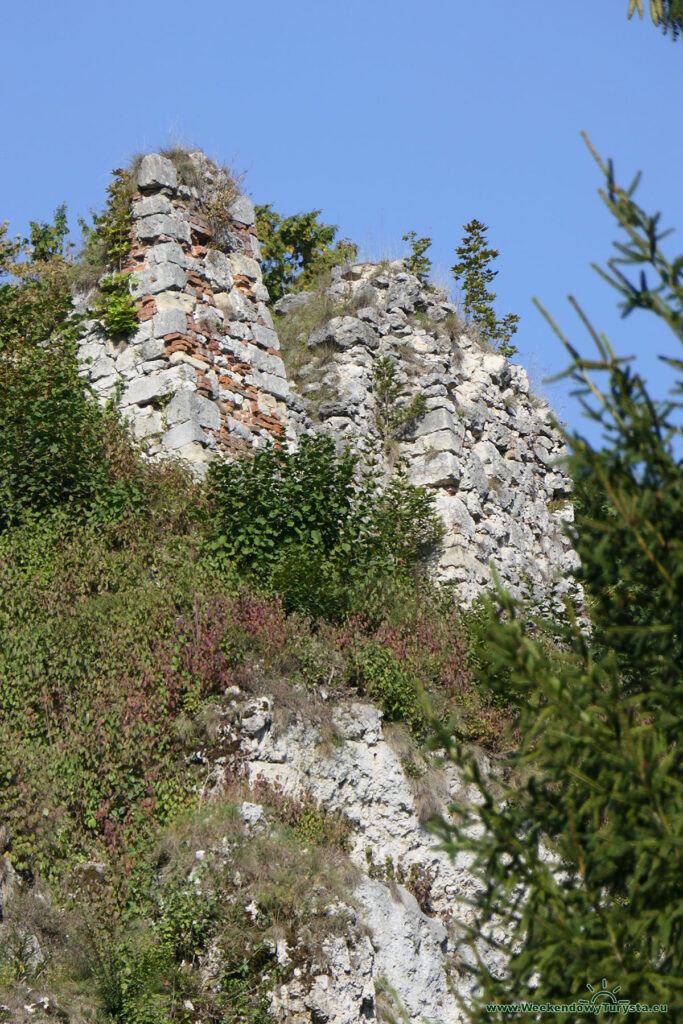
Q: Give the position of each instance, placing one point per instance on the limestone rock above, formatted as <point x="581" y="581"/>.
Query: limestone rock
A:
<point x="156" y="172"/>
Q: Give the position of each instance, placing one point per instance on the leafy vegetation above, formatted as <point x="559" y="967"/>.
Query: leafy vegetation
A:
<point x="474" y="274"/>
<point x="298" y="249"/>
<point x="580" y="855"/>
<point x="106" y="245"/>
<point x="316" y="526"/>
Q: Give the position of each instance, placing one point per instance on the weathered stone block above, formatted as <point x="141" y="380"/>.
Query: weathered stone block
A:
<point x="345" y="332"/>
<point x="238" y="429"/>
<point x="242" y="211"/>
<point x="266" y="362"/>
<point x="91" y="351"/>
<point x="474" y="476"/>
<point x="144" y="390"/>
<point x="148" y="424"/>
<point x="245" y="266"/>
<point x="160" y="278"/>
<point x="435" y="469"/>
<point x="152" y="349"/>
<point x="265" y="336"/>
<point x="150" y="205"/>
<point x="170" y="321"/>
<point x="167" y="252"/>
<point x="188" y="405"/>
<point x="444" y="441"/>
<point x="218" y="269"/>
<point x="156" y="172"/>
<point x="160" y="224"/>
<point x="102" y="367"/>
<point x="269" y="382"/>
<point x="175" y="300"/>
<point x="182" y="434"/>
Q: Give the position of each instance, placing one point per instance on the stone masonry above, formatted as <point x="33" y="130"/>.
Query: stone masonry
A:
<point x="203" y="375"/>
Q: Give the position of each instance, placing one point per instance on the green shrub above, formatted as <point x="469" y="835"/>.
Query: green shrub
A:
<point x="58" y="447"/>
<point x="315" y="525"/>
<point x="386" y="679"/>
<point x="117" y="309"/>
<point x="297" y="249"/>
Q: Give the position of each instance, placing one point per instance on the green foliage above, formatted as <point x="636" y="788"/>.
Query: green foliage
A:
<point x="35" y="293"/>
<point x="392" y="418"/>
<point x="297" y="249"/>
<point x="48" y="240"/>
<point x="106" y="245"/>
<point x="58" y="447"/>
<point x="580" y="855"/>
<point x="386" y="679"/>
<point x="316" y="526"/>
<point x="474" y="274"/>
<point x="109" y="235"/>
<point x="667" y="14"/>
<point x="418" y="263"/>
<point x="117" y="309"/>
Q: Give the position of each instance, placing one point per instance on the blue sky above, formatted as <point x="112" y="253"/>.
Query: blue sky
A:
<point x="388" y="116"/>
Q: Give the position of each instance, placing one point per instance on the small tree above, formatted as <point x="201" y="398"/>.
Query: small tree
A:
<point x="58" y="447"/>
<point x="580" y="857"/>
<point x="418" y="262"/>
<point x="391" y="416"/>
<point x="296" y="250"/>
<point x="474" y="274"/>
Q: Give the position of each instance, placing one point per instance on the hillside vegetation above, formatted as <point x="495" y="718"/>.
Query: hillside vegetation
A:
<point x="134" y="602"/>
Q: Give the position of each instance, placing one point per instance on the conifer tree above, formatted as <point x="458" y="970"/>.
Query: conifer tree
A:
<point x="667" y="14"/>
<point x="473" y="272"/>
<point x="580" y="853"/>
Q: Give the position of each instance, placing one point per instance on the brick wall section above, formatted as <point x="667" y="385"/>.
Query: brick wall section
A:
<point x="203" y="374"/>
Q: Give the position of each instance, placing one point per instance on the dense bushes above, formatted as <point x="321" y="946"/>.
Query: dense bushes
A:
<point x="316" y="526"/>
<point x="59" y="447"/>
<point x="298" y="249"/>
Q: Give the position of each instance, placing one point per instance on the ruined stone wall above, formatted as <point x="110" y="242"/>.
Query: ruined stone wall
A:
<point x="204" y="377"/>
<point x="203" y="374"/>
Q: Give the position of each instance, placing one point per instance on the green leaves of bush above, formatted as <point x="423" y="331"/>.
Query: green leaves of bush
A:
<point x="297" y="249"/>
<point x="58" y="446"/>
<point x="316" y="526"/>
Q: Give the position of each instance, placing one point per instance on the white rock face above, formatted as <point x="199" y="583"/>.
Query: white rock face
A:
<point x="405" y="951"/>
<point x="482" y="443"/>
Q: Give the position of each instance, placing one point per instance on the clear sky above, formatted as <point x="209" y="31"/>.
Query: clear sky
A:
<point x="388" y="116"/>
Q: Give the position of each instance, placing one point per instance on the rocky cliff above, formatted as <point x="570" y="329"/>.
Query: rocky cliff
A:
<point x="205" y="375"/>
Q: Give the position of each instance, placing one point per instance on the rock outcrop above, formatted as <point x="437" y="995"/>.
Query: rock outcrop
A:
<point x="412" y="957"/>
<point x="482" y="442"/>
